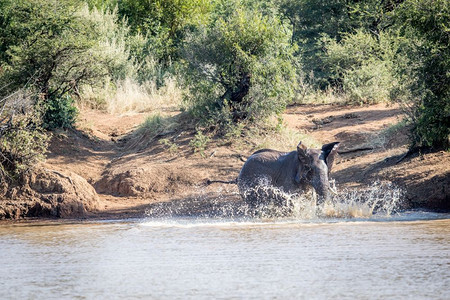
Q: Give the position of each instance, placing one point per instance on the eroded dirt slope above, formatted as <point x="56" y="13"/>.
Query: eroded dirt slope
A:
<point x="131" y="174"/>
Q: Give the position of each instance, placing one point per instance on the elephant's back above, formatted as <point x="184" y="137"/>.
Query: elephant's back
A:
<point x="265" y="162"/>
<point x="266" y="155"/>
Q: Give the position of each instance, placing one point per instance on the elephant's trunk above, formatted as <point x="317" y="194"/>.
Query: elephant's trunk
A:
<point x="324" y="196"/>
<point x="323" y="189"/>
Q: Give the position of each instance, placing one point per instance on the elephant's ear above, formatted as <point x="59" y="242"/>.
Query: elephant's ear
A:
<point x="329" y="152"/>
<point x="303" y="158"/>
<point x="302" y="152"/>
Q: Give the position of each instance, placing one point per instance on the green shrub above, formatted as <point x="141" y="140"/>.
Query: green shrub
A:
<point x="370" y="83"/>
<point x="311" y="20"/>
<point x="423" y="66"/>
<point x="199" y="142"/>
<point x="59" y="112"/>
<point x="59" y="46"/>
<point x="240" y="69"/>
<point x="172" y="147"/>
<point x="431" y="125"/>
<point x="361" y="64"/>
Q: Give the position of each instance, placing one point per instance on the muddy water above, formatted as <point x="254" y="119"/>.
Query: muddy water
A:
<point x="396" y="257"/>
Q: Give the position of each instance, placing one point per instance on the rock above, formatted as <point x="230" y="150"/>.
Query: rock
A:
<point x="145" y="180"/>
<point x="48" y="193"/>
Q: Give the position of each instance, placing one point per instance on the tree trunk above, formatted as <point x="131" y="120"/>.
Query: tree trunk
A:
<point x="235" y="96"/>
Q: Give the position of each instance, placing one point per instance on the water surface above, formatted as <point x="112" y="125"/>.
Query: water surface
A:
<point x="399" y="257"/>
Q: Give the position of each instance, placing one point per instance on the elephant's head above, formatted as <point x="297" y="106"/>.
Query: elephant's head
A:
<point x="315" y="167"/>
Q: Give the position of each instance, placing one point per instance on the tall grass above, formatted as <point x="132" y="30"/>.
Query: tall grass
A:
<point x="130" y="85"/>
<point x="130" y="96"/>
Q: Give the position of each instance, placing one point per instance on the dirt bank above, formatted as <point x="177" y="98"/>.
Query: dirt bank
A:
<point x="103" y="170"/>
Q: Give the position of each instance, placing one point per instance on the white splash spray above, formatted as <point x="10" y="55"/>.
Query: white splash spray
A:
<point x="380" y="199"/>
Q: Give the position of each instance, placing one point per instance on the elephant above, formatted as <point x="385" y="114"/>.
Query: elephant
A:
<point x="289" y="172"/>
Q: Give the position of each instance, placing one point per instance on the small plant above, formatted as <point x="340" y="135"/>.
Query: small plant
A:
<point x="171" y="146"/>
<point x="199" y="142"/>
<point x="155" y="125"/>
<point x="394" y="128"/>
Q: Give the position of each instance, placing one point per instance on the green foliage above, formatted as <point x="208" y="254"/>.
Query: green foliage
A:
<point x="57" y="46"/>
<point x="102" y="4"/>
<point x="239" y="69"/>
<point x="423" y="66"/>
<point x="312" y="20"/>
<point x="59" y="112"/>
<point x="48" y="42"/>
<point x="431" y="123"/>
<point x="61" y="44"/>
<point x="23" y="142"/>
<point x="199" y="142"/>
<point x="171" y="146"/>
<point x="241" y="60"/>
<point x="112" y="47"/>
<point x="362" y="65"/>
<point x="164" y="22"/>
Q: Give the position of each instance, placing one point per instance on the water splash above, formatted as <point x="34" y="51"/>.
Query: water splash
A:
<point x="381" y="199"/>
<point x="224" y="202"/>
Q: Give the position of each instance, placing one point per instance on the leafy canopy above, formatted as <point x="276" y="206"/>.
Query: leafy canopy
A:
<point x="240" y="68"/>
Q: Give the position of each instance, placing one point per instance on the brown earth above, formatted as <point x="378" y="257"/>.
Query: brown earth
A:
<point x="104" y="170"/>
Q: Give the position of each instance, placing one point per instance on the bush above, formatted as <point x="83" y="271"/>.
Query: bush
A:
<point x="311" y="20"/>
<point x="361" y="64"/>
<point x="59" y="112"/>
<point x="23" y="142"/>
<point x="423" y="65"/>
<point x="50" y="45"/>
<point x="199" y="143"/>
<point x="240" y="69"/>
<point x="431" y="124"/>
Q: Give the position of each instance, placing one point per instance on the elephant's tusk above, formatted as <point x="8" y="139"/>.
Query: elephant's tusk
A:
<point x="334" y="191"/>
<point x="333" y="187"/>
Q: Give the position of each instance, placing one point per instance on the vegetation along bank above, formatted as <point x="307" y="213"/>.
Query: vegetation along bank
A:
<point x="108" y="107"/>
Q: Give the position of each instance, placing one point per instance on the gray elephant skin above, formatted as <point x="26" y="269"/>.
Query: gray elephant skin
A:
<point x="290" y="172"/>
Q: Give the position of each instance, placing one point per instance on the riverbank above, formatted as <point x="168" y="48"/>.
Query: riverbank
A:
<point x="106" y="168"/>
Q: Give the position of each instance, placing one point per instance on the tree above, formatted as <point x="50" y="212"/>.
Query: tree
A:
<point x="50" y="43"/>
<point x="56" y="46"/>
<point x="316" y="21"/>
<point x="164" y="22"/>
<point x="240" y="68"/>
<point x="425" y="71"/>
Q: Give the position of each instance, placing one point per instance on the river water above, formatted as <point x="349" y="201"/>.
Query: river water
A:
<point x="402" y="256"/>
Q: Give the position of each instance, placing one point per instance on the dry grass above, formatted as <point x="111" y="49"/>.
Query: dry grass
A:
<point x="156" y="125"/>
<point x="132" y="97"/>
<point x="128" y="96"/>
<point x="316" y="96"/>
